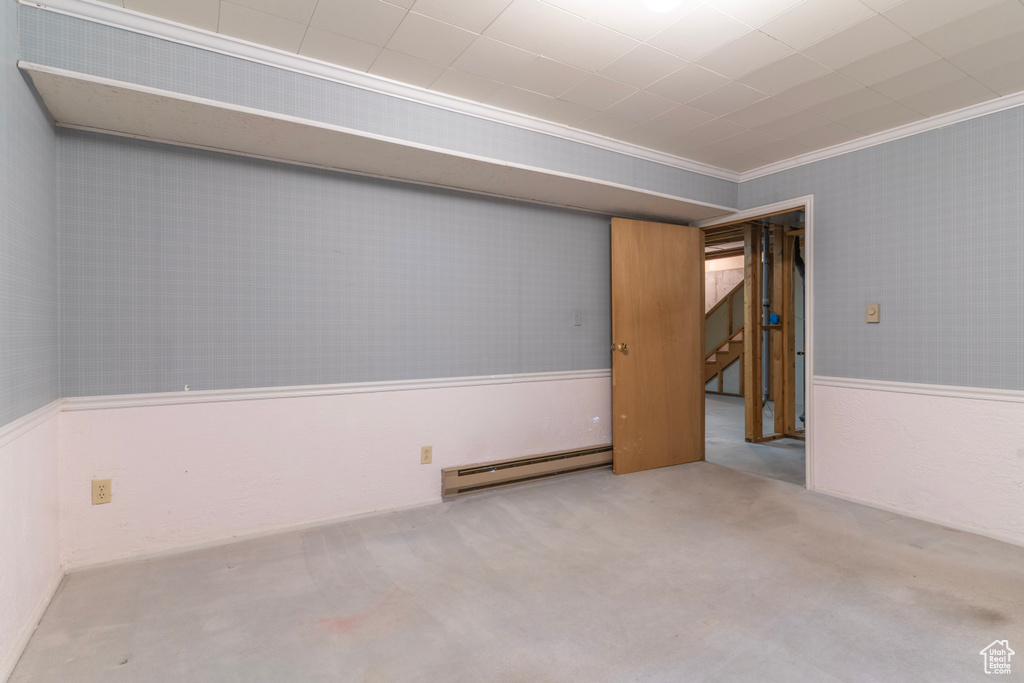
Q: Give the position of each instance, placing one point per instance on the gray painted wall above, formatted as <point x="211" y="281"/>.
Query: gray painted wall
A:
<point x="183" y="266"/>
<point x="70" y="43"/>
<point x="932" y="227"/>
<point x="28" y="239"/>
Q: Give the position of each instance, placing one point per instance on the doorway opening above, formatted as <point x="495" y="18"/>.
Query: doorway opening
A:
<point x="756" y="342"/>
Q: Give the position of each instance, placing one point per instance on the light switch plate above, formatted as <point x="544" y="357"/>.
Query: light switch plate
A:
<point x="872" y="313"/>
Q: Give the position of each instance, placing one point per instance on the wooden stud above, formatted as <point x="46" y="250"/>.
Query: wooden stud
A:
<point x="753" y="424"/>
<point x="779" y="307"/>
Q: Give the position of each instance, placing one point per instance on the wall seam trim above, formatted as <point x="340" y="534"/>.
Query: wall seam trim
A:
<point x="972" y="393"/>
<point x="222" y="395"/>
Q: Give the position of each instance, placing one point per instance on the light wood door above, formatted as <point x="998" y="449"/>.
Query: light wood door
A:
<point x="658" y="313"/>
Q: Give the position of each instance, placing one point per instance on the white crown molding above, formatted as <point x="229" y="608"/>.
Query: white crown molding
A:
<point x="26" y="423"/>
<point x="264" y="393"/>
<point x="970" y="393"/>
<point x="121" y="18"/>
<point x="923" y="126"/>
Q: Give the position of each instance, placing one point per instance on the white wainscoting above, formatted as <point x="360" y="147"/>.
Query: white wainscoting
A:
<point x="200" y="473"/>
<point x="30" y="566"/>
<point x="949" y="455"/>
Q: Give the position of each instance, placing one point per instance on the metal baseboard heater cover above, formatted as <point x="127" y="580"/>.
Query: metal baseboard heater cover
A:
<point x="457" y="481"/>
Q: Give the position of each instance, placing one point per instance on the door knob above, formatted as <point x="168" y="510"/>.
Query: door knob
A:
<point x="621" y="347"/>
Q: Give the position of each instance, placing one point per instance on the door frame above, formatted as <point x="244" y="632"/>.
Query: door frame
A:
<point x="807" y="204"/>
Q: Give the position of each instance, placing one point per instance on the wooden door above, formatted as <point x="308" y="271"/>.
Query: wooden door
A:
<point x="658" y="330"/>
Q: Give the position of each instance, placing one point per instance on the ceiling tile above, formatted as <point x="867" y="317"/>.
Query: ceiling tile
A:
<point x="642" y="66"/>
<point x="795" y="124"/>
<point x="597" y="92"/>
<point x="405" y="68"/>
<point x="369" y="21"/>
<point x="559" y="35"/>
<point x="645" y="135"/>
<point x="1005" y="79"/>
<point x="948" y="97"/>
<point x="698" y="33"/>
<point x="493" y="59"/>
<point x="852" y="103"/>
<point x="827" y="136"/>
<point x="991" y="55"/>
<point x="199" y="13"/>
<point x="605" y="124"/>
<point x="977" y="29"/>
<point x="710" y="132"/>
<point x="540" y="106"/>
<point x="547" y="77"/>
<point x="742" y="142"/>
<point x="890" y="63"/>
<point x="762" y="112"/>
<point x="567" y="113"/>
<point x="881" y="5"/>
<point x="920" y="16"/>
<point x="678" y="120"/>
<point x="687" y="83"/>
<point x="784" y="74"/>
<point x="465" y="85"/>
<point x="430" y="39"/>
<point x="626" y="17"/>
<point x="259" y="27"/>
<point x="819" y="90"/>
<point x="119" y="3"/>
<point x="740" y="163"/>
<point x="641" y="106"/>
<point x="919" y="79"/>
<point x="881" y="118"/>
<point x="728" y="98"/>
<point x="857" y="42"/>
<point x="813" y="20"/>
<point x="472" y="15"/>
<point x="750" y="51"/>
<point x="404" y="4"/>
<point x="517" y="99"/>
<point x="330" y="47"/>
<point x="294" y="10"/>
<point x="755" y="12"/>
<point x="779" y="150"/>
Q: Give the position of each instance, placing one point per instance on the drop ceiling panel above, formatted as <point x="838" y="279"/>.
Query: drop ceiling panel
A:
<point x="293" y="10"/>
<point x="260" y="27"/>
<point x="338" y="49"/>
<point x="435" y="41"/>
<point x="826" y="69"/>
<point x="472" y="15"/>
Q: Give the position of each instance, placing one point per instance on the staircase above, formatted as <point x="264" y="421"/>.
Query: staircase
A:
<point x="723" y="332"/>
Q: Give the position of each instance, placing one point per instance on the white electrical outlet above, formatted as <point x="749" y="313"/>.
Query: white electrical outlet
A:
<point x="426" y="455"/>
<point x="577" y="318"/>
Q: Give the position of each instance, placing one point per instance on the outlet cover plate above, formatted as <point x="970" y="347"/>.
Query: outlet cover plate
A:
<point x="101" y="491"/>
<point x="426" y="455"/>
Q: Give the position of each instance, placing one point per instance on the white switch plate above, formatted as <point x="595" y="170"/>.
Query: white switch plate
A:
<point x="872" y="313"/>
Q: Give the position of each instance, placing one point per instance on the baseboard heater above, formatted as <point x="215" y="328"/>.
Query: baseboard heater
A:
<point x="457" y="481"/>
